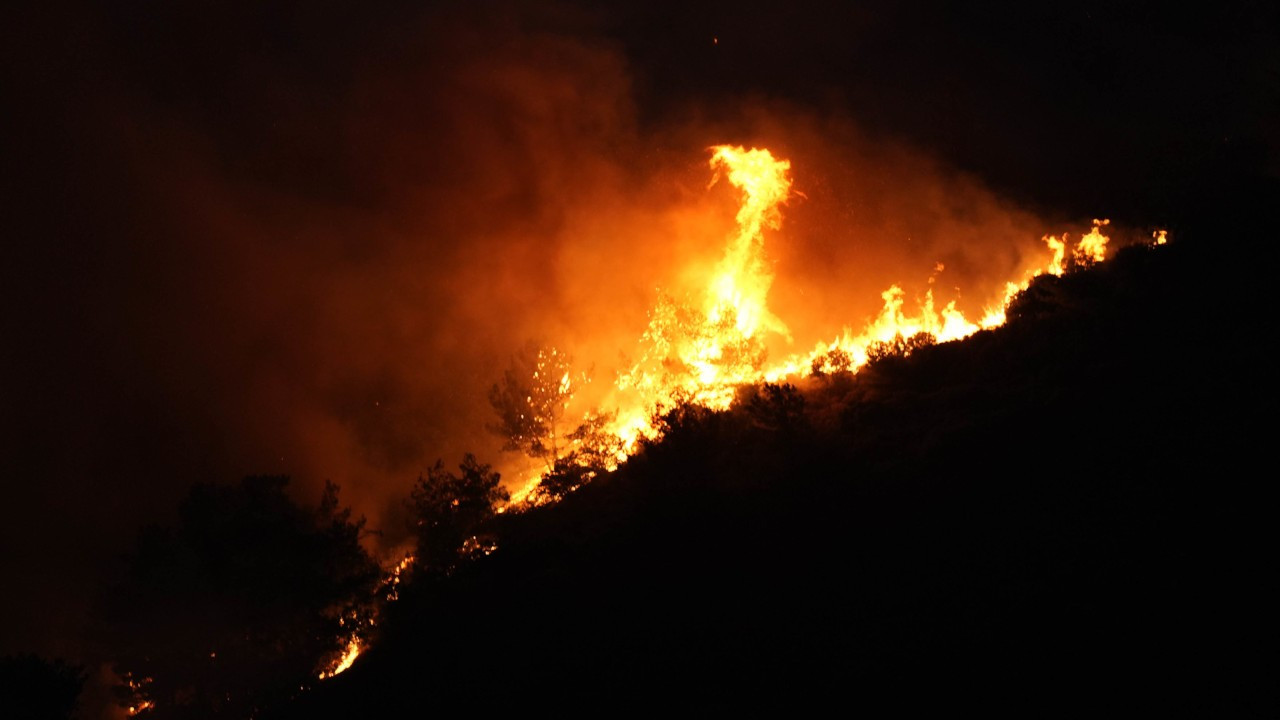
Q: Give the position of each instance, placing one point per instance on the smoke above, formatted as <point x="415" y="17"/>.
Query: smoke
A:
<point x="311" y="248"/>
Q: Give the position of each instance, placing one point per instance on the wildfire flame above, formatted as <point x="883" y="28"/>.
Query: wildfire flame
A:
<point x="700" y="353"/>
<point x="138" y="689"/>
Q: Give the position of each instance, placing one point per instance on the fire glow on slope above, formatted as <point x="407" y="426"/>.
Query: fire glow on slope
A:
<point x="702" y="352"/>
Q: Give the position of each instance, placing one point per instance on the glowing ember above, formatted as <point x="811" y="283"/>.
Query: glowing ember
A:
<point x="138" y="690"/>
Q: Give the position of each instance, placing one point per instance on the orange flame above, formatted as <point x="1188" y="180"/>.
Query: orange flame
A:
<point x="741" y="284"/>
<point x="344" y="662"/>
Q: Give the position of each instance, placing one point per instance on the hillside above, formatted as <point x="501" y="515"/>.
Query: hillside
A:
<point x="1053" y="511"/>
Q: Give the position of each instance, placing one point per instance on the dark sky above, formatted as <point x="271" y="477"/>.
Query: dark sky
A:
<point x="303" y="237"/>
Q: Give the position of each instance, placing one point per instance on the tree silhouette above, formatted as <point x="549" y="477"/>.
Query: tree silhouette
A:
<point x="233" y="610"/>
<point x="831" y="362"/>
<point x="530" y="402"/>
<point x="448" y="509"/>
<point x="898" y="347"/>
<point x="773" y="407"/>
<point x="593" y="449"/>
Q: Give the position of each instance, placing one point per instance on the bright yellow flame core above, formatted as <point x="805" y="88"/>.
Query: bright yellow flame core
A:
<point x="1093" y="247"/>
<point x="741" y="285"/>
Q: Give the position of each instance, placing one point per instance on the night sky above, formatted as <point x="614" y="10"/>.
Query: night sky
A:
<point x="304" y="237"/>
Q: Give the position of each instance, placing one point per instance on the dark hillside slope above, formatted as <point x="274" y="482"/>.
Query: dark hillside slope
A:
<point x="1056" y="511"/>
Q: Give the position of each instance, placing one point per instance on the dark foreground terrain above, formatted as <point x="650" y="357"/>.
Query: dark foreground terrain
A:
<point x="1061" y="513"/>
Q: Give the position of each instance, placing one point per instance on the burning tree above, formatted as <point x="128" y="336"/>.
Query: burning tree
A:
<point x="234" y="610"/>
<point x="531" y="401"/>
<point x="690" y="355"/>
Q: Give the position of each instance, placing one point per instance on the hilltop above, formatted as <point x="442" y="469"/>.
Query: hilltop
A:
<point x="1055" y="510"/>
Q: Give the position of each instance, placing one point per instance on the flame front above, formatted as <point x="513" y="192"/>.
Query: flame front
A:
<point x="346" y="660"/>
<point x="946" y="324"/>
